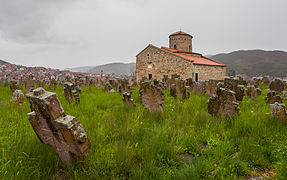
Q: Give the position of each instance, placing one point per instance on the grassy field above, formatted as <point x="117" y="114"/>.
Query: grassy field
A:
<point x="131" y="143"/>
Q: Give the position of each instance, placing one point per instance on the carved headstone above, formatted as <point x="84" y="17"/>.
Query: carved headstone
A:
<point x="266" y="81"/>
<point x="278" y="111"/>
<point x="211" y="87"/>
<point x="14" y="85"/>
<point x="29" y="84"/>
<point x="18" y="97"/>
<point x="53" y="127"/>
<point x="109" y="88"/>
<point x="273" y="97"/>
<point x="223" y="104"/>
<point x="277" y="85"/>
<point x="71" y="93"/>
<point x="239" y="92"/>
<point x="152" y="96"/>
<point x="253" y="92"/>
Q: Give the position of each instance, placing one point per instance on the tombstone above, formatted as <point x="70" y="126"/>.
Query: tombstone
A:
<point x="39" y="83"/>
<point x="240" y="80"/>
<point x="273" y="97"/>
<point x="277" y="85"/>
<point x="239" y="92"/>
<point x="29" y="84"/>
<point x="152" y="96"/>
<point x="231" y="83"/>
<point x="211" y="87"/>
<point x="179" y="90"/>
<point x="266" y="81"/>
<point x="53" y="127"/>
<point x="199" y="87"/>
<point x="253" y="92"/>
<point x="71" y="93"/>
<point x="223" y="104"/>
<point x="14" y="85"/>
<point x="52" y="84"/>
<point x="109" y="88"/>
<point x="127" y="99"/>
<point x="189" y="82"/>
<point x="278" y="111"/>
<point x="18" y="97"/>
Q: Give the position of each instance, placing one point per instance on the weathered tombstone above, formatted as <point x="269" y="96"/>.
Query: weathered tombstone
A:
<point x="18" y="97"/>
<point x="14" y="85"/>
<point x="223" y="104"/>
<point x="211" y="87"/>
<point x="127" y="99"/>
<point x="70" y="92"/>
<point x="152" y="96"/>
<point x="278" y="111"/>
<point x="231" y="83"/>
<point x="253" y="92"/>
<point x="199" y="87"/>
<point x="240" y="80"/>
<point x="273" y="97"/>
<point x="109" y="88"/>
<point x="239" y="92"/>
<point x="266" y="81"/>
<point x="52" y="84"/>
<point x="53" y="127"/>
<point x="179" y="90"/>
<point x="29" y="84"/>
<point x="277" y="85"/>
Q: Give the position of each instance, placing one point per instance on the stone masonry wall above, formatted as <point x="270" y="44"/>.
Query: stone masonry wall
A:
<point x="158" y="63"/>
<point x="182" y="42"/>
<point x="209" y="72"/>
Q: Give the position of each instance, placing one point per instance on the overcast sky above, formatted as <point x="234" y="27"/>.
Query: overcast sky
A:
<point x="72" y="33"/>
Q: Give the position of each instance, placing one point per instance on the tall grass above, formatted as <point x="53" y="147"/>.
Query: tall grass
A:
<point x="132" y="143"/>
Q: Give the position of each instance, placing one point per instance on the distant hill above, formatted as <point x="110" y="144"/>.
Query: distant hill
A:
<point x="116" y="68"/>
<point x="255" y="62"/>
<point x="3" y="62"/>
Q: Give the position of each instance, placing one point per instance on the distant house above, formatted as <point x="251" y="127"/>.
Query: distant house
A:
<point x="154" y="62"/>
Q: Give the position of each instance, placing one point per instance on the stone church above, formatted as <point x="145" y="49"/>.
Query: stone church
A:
<point x="178" y="58"/>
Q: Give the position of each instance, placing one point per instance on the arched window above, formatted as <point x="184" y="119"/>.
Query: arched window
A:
<point x="174" y="46"/>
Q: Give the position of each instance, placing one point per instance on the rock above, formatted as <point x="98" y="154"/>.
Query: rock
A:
<point x="278" y="111"/>
<point x="277" y="85"/>
<point x="152" y="96"/>
<point x="128" y="99"/>
<point x="223" y="104"/>
<point x="71" y="93"/>
<point x="53" y="127"/>
<point x="273" y="97"/>
<point x="18" y="97"/>
<point x="253" y="92"/>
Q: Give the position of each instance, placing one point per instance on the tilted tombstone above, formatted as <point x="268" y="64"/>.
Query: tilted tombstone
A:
<point x="18" y="97"/>
<point x="273" y="97"/>
<point x="152" y="96"/>
<point x="199" y="87"/>
<point x="276" y="85"/>
<point x="14" y="85"/>
<point x="53" y="127"/>
<point x="253" y="92"/>
<point x="181" y="91"/>
<point x="223" y="103"/>
<point x="278" y="111"/>
<point x="127" y="99"/>
<point x="71" y="93"/>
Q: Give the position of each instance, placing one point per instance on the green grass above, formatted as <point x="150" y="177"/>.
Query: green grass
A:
<point x="131" y="143"/>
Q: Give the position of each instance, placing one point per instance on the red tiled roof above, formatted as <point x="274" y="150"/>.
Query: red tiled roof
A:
<point x="180" y="33"/>
<point x="196" y="58"/>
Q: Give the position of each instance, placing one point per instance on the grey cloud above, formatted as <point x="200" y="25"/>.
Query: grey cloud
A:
<point x="29" y="20"/>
